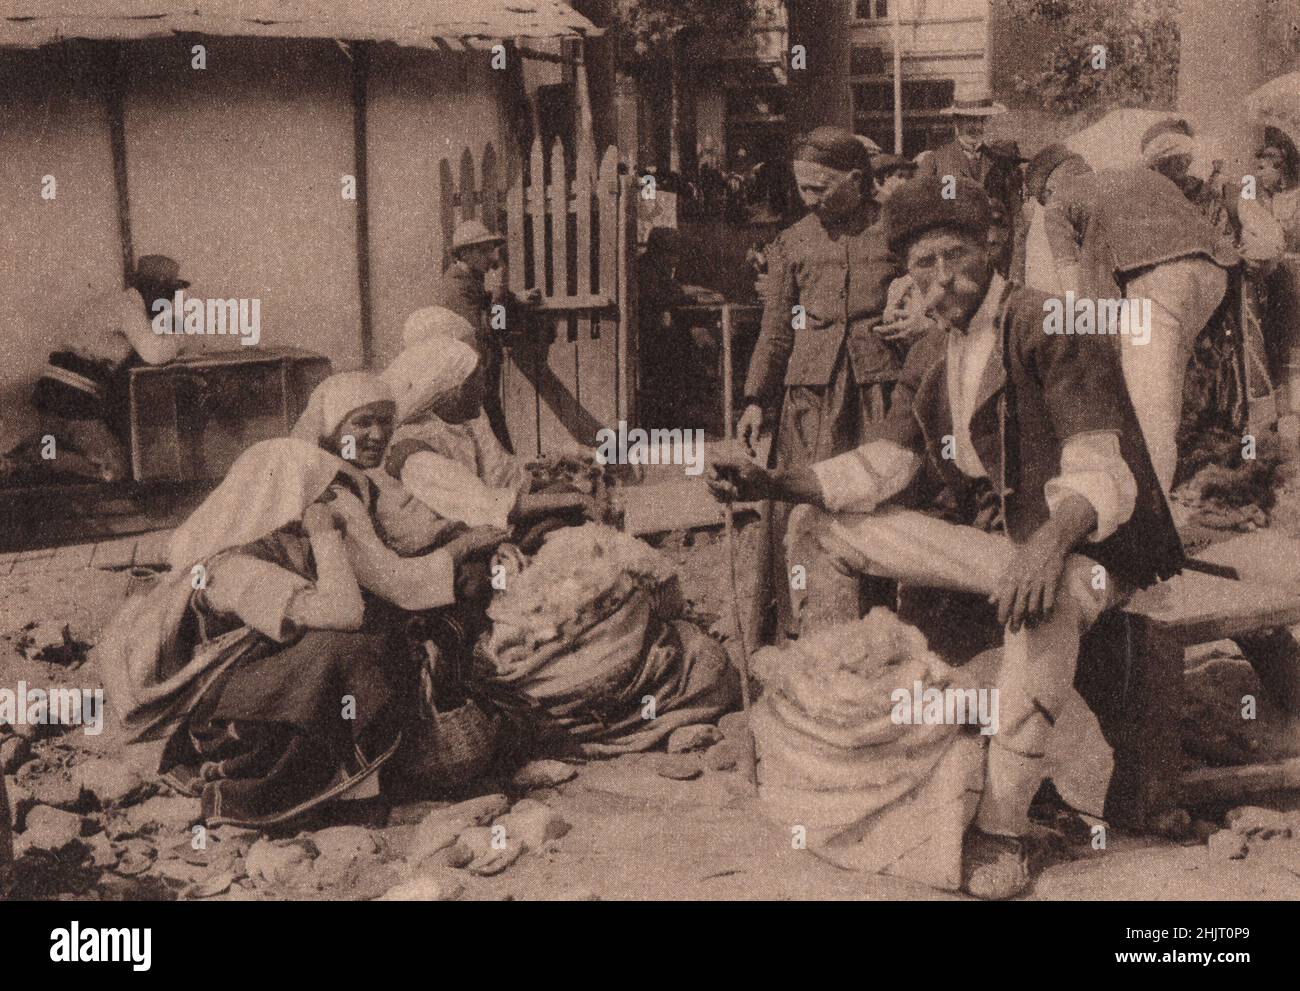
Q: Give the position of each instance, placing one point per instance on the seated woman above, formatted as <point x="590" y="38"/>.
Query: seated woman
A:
<point x="276" y="681"/>
<point x="445" y="454"/>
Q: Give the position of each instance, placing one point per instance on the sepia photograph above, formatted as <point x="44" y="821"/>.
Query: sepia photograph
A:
<point x="649" y="450"/>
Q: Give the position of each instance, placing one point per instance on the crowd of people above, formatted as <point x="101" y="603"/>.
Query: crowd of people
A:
<point x="932" y="429"/>
<point x="339" y="577"/>
<point x="930" y="432"/>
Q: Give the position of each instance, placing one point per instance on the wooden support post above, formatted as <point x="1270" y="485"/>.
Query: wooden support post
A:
<point x="629" y="377"/>
<point x="360" y="75"/>
<point x="116" y="100"/>
<point x="1147" y="738"/>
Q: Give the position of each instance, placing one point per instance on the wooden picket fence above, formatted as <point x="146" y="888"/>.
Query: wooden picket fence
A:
<point x="571" y="232"/>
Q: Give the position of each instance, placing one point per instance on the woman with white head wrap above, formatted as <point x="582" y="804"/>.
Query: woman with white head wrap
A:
<point x="342" y="433"/>
<point x="358" y="405"/>
<point x="444" y="450"/>
<point x="239" y="657"/>
<point x="351" y="414"/>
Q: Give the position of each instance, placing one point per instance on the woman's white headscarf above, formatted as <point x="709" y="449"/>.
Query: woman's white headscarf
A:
<point x="1167" y="144"/>
<point x="334" y="399"/>
<point x="426" y="371"/>
<point x="436" y="323"/>
<point x="270" y="484"/>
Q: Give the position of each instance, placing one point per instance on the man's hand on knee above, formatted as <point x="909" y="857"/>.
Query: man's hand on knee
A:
<point x="1028" y="587"/>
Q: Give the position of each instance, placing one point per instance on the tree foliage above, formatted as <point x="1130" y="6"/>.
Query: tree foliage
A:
<point x="1140" y="40"/>
<point x="647" y="29"/>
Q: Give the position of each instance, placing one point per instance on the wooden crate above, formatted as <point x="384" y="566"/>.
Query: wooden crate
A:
<point x="192" y="418"/>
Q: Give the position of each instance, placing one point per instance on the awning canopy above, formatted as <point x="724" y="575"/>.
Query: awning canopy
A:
<point x="411" y="23"/>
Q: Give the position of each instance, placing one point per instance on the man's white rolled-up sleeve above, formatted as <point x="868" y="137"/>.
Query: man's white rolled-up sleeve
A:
<point x="1093" y="467"/>
<point x="860" y="480"/>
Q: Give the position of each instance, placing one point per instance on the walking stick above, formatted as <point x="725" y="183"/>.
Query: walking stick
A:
<point x="6" y="838"/>
<point x="730" y="538"/>
<point x="752" y="750"/>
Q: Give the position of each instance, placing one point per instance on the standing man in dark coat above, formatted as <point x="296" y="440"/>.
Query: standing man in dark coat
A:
<point x="819" y="360"/>
<point x="475" y="251"/>
<point x="1044" y="423"/>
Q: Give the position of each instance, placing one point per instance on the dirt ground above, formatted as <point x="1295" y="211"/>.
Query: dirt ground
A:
<point x="93" y="823"/>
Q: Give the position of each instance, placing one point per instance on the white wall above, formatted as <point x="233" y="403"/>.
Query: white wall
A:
<point x="52" y="253"/>
<point x="423" y="107"/>
<point x="235" y="170"/>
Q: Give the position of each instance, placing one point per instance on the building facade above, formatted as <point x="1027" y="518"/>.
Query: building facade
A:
<point x="945" y="53"/>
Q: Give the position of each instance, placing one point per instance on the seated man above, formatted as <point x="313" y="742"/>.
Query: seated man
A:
<point x="1043" y="425"/>
<point x="81" y="397"/>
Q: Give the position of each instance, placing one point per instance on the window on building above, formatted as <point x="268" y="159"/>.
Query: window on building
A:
<point x="864" y="61"/>
<point x="872" y="10"/>
<point x="923" y="125"/>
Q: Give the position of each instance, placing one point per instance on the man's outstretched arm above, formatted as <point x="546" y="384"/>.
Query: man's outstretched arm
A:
<point x="857" y="481"/>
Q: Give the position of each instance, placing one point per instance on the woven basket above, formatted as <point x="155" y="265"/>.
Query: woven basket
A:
<point x="448" y="750"/>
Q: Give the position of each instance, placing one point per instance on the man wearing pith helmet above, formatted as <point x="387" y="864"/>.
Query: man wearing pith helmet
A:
<point x="1043" y="424"/>
<point x="476" y="251"/>
<point x="818" y="362"/>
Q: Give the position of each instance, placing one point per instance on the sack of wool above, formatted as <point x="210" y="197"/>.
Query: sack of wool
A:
<point x="871" y="794"/>
<point x="580" y="575"/>
<point x="590" y="629"/>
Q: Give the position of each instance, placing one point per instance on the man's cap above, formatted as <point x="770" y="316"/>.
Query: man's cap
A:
<point x="471" y="232"/>
<point x="1007" y="150"/>
<point x="1042" y="165"/>
<point x="1168" y="125"/>
<point x="1168" y="138"/>
<point x="919" y="206"/>
<point x="158" y="271"/>
<point x="1168" y="144"/>
<point x="834" y="148"/>
<point x="663" y="240"/>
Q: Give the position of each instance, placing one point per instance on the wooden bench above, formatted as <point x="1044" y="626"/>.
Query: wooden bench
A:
<point x="1160" y="623"/>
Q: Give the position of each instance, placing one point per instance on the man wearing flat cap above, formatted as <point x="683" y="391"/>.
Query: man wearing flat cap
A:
<point x="1132" y="233"/>
<point x="1043" y="424"/>
<point x="81" y="396"/>
<point x="818" y="359"/>
<point x="462" y="288"/>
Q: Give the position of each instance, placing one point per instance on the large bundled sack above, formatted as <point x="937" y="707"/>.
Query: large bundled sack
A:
<point x="591" y="631"/>
<point x="872" y="794"/>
